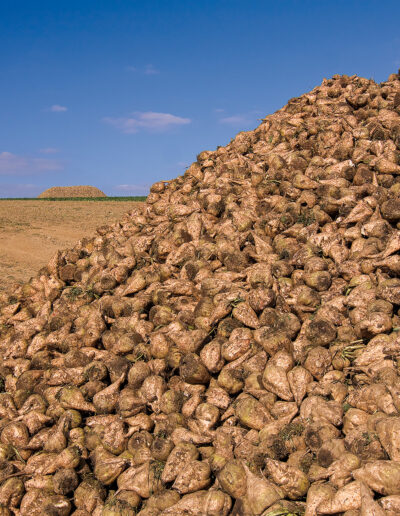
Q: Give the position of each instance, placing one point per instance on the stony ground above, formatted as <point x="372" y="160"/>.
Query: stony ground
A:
<point x="32" y="231"/>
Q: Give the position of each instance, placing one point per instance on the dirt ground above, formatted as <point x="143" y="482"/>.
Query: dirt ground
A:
<point x="32" y="231"/>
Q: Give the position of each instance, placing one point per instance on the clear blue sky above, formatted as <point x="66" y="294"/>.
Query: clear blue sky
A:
<point x="119" y="94"/>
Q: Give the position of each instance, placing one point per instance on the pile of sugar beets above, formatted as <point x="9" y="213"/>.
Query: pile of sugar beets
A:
<point x="232" y="346"/>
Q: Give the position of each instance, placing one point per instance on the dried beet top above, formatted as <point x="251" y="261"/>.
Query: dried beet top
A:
<point x="233" y="346"/>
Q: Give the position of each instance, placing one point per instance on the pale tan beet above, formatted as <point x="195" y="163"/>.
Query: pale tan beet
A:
<point x="260" y="493"/>
<point x="65" y="481"/>
<point x="391" y="504"/>
<point x="369" y="507"/>
<point x="207" y="415"/>
<point x="171" y="401"/>
<point x="192" y="370"/>
<point x="209" y="503"/>
<point x="298" y="379"/>
<point x="56" y="440"/>
<point x="252" y="413"/>
<point x="382" y="476"/>
<point x="180" y="455"/>
<point x="340" y="471"/>
<point x="253" y="385"/>
<point x="371" y="398"/>
<point x="317" y="408"/>
<point x="47" y="463"/>
<point x="284" y="411"/>
<point x="275" y="381"/>
<point x="36" y="502"/>
<point x="354" y="418"/>
<point x="152" y="390"/>
<point x="346" y="498"/>
<point x="115" y="507"/>
<point x="317" y="495"/>
<point x="260" y="298"/>
<point x="130" y="402"/>
<point x="194" y="476"/>
<point x="246" y="315"/>
<point x="188" y="341"/>
<point x="388" y="431"/>
<point x="189" y="406"/>
<point x="139" y="422"/>
<point x="110" y="431"/>
<point x="318" y="362"/>
<point x="190" y="436"/>
<point x="159" y="502"/>
<point x="237" y="345"/>
<point x="365" y="443"/>
<point x="40" y="482"/>
<point x="143" y="480"/>
<point x="129" y="499"/>
<point x="334" y="383"/>
<point x="293" y="482"/>
<point x="137" y="374"/>
<point x="11" y="492"/>
<point x="211" y="355"/>
<point x="271" y="341"/>
<point x="282" y="358"/>
<point x="232" y="479"/>
<point x="231" y="380"/>
<point x="106" y="400"/>
<point x="16" y="434"/>
<point x="329" y="451"/>
<point x="72" y="398"/>
<point x="319" y="432"/>
<point x="106" y="466"/>
<point x="89" y="495"/>
<point x="161" y="448"/>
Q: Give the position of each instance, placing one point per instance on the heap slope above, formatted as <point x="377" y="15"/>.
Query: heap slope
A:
<point x="229" y="347"/>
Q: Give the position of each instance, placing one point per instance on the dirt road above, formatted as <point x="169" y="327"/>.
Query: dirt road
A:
<point x="32" y="231"/>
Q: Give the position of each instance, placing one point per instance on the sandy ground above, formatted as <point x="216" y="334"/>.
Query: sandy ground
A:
<point x="32" y="231"/>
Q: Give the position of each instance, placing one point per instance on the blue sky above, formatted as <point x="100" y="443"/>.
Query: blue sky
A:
<point x="120" y="94"/>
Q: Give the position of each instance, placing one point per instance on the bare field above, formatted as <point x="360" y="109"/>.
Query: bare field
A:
<point x="31" y="231"/>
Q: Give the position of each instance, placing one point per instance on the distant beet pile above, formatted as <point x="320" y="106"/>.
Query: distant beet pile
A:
<point x="230" y="347"/>
<point x="72" y="191"/>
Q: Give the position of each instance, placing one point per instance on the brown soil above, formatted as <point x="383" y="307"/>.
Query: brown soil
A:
<point x="32" y="231"/>
<point x="72" y="191"/>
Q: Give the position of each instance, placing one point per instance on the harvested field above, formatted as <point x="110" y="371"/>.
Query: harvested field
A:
<point x="31" y="231"/>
